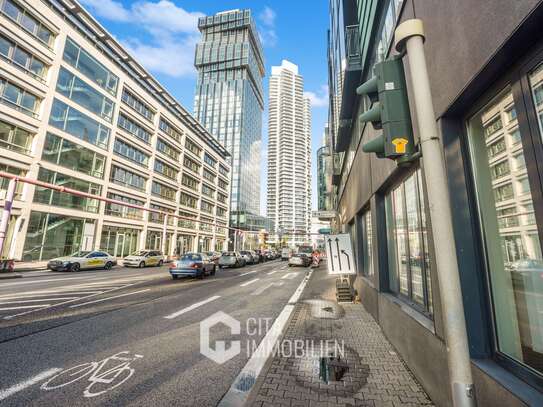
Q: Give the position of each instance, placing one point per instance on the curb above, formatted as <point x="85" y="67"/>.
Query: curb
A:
<point x="9" y="276"/>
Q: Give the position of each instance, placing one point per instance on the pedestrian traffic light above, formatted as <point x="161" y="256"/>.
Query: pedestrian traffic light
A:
<point x="389" y="111"/>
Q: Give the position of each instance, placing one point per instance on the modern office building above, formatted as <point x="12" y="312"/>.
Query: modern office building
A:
<point x="77" y="110"/>
<point x="487" y="85"/>
<point x="229" y="100"/>
<point x="324" y="174"/>
<point x="289" y="154"/>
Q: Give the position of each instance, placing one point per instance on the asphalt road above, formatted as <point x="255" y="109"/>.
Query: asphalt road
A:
<point x="131" y="336"/>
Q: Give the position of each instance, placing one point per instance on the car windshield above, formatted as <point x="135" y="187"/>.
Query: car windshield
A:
<point x="140" y="253"/>
<point x="229" y="254"/>
<point x="191" y="256"/>
<point x="80" y="254"/>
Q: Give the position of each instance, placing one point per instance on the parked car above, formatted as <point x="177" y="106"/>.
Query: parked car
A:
<point x="193" y="265"/>
<point x="82" y="260"/>
<point x="214" y="256"/>
<point x="299" y="259"/>
<point x="285" y="253"/>
<point x="144" y="258"/>
<point x="256" y="256"/>
<point x="248" y="256"/>
<point x="231" y="259"/>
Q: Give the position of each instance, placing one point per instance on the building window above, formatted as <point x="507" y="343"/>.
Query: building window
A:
<point x="79" y="125"/>
<point x="364" y="239"/>
<point x="210" y="192"/>
<point x="169" y="129"/>
<point x="408" y="246"/>
<point x="27" y="21"/>
<point x="90" y="67"/>
<point x="192" y="147"/>
<point x="133" y="154"/>
<point x="50" y="197"/>
<point x="209" y="160"/>
<point x="119" y="242"/>
<point x="50" y="235"/>
<point x="208" y="175"/>
<point x="133" y="128"/>
<point x="221" y="212"/>
<point x="15" y="139"/>
<point x="223" y="170"/>
<point x="70" y="155"/>
<point x="221" y="198"/>
<point x="511" y="241"/>
<point x="190" y="182"/>
<point x="163" y="191"/>
<point x="127" y="178"/>
<point x="157" y="217"/>
<point x="123" y="211"/>
<point x="18" y="98"/>
<point x="137" y="104"/>
<point x="188" y="200"/>
<point x="84" y="95"/>
<point x="22" y="59"/>
<point x="166" y="170"/>
<point x="167" y="149"/>
<point x="222" y="184"/>
<point x="191" y="164"/>
<point x="4" y="182"/>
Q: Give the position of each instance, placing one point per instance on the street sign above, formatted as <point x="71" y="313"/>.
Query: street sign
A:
<point x="324" y="231"/>
<point x="326" y="214"/>
<point x="340" y="259"/>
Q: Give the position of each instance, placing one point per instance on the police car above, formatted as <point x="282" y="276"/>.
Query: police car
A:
<point x="144" y="258"/>
<point x="83" y="260"/>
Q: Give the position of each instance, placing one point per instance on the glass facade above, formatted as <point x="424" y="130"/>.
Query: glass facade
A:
<point x="118" y="241"/>
<point x="229" y="98"/>
<point x="122" y="211"/>
<point x="130" y="152"/>
<point x="127" y="178"/>
<point x="512" y="241"/>
<point x="78" y="124"/>
<point x="84" y="95"/>
<point x="408" y="247"/>
<point x="70" y="155"/>
<point x="50" y="235"/>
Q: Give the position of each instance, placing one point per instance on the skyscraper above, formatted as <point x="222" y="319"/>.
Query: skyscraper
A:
<point x="289" y="154"/>
<point x="229" y="100"/>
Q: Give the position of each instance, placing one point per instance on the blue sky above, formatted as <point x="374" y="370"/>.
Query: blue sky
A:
<point x="161" y="34"/>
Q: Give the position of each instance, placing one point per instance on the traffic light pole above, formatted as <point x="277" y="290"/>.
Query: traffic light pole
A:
<point x="409" y="36"/>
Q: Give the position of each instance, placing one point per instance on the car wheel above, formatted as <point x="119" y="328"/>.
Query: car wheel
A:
<point x="214" y="270"/>
<point x="236" y="265"/>
<point x="108" y="265"/>
<point x="174" y="276"/>
<point x="160" y="263"/>
<point x="75" y="267"/>
<point x="141" y="265"/>
<point x="201" y="275"/>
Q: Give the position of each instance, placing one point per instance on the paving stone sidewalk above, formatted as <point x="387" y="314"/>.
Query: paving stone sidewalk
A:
<point x="376" y="376"/>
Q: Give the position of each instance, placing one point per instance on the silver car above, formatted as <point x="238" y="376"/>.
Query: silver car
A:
<point x="231" y="259"/>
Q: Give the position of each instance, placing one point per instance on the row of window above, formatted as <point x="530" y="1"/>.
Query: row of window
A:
<point x="133" y="128"/>
<point x="137" y="104"/>
<point x="22" y="59"/>
<point x="169" y="129"/>
<point x="18" y="98"/>
<point x="27" y="21"/>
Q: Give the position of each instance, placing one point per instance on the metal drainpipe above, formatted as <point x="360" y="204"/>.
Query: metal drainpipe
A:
<point x="6" y="212"/>
<point x="410" y="36"/>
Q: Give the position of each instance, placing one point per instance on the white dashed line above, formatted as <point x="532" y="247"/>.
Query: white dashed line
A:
<point x="4" y="394"/>
<point x="249" y="282"/>
<point x="272" y="272"/>
<point x="249" y="272"/>
<point x="289" y="276"/>
<point x="191" y="307"/>
<point x="25" y="307"/>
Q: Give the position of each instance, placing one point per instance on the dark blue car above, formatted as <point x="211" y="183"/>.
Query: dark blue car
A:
<point x="193" y="265"/>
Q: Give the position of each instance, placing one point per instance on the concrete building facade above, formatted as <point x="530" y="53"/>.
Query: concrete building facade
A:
<point x="289" y="154"/>
<point x="485" y="67"/>
<point x="77" y="110"/>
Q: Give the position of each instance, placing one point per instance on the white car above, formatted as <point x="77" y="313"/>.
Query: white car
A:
<point x="144" y="258"/>
<point x="83" y="260"/>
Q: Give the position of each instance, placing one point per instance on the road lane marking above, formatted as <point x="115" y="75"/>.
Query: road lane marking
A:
<point x="4" y="394"/>
<point x="191" y="307"/>
<point x="41" y="281"/>
<point x="41" y="299"/>
<point x="249" y="272"/>
<point x="272" y="272"/>
<point x="65" y="302"/>
<point x="289" y="276"/>
<point x="264" y="288"/>
<point x="108" y="298"/>
<point x="238" y="392"/>
<point x="249" y="282"/>
<point x="24" y="307"/>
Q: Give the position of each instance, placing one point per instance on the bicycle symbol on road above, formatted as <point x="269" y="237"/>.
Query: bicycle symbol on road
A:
<point x="103" y="376"/>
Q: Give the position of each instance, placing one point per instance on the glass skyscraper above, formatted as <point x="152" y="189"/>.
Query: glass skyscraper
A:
<point x="229" y="100"/>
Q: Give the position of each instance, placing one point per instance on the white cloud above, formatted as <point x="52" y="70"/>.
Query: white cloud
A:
<point x="172" y="33"/>
<point x="267" y="33"/>
<point x="319" y="99"/>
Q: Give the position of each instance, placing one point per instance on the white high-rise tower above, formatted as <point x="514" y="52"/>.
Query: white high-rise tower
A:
<point x="289" y="155"/>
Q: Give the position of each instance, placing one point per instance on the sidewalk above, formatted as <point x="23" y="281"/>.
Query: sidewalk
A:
<point x="376" y="375"/>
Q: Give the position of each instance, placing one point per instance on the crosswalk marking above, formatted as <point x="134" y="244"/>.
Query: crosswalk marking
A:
<point x="249" y="282"/>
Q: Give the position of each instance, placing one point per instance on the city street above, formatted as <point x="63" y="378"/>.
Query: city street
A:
<point x="138" y="322"/>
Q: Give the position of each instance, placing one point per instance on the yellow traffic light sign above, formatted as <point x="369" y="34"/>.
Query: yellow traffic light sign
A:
<point x="399" y="144"/>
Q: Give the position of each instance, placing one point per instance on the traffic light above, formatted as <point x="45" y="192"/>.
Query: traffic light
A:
<point x="389" y="112"/>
